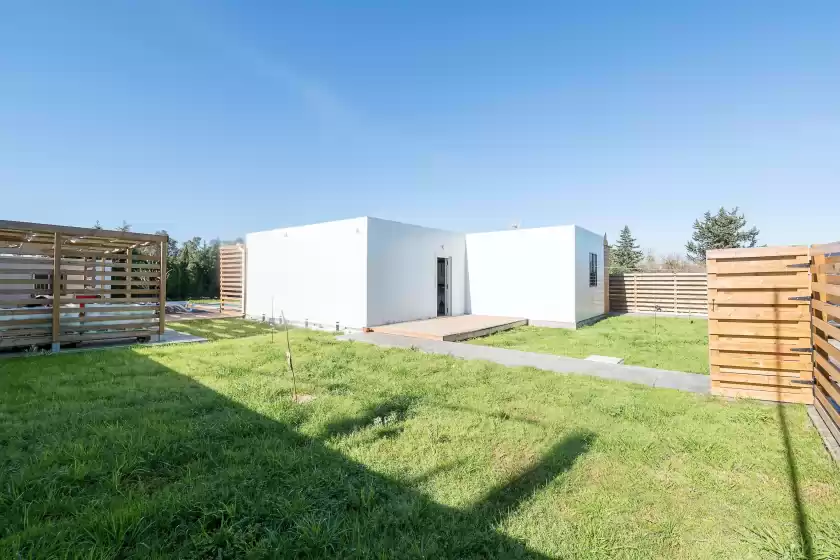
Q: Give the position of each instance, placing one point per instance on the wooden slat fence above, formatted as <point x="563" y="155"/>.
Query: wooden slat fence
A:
<point x="759" y="323"/>
<point x="681" y="292"/>
<point x="232" y="278"/>
<point x="61" y="285"/>
<point x="825" y="306"/>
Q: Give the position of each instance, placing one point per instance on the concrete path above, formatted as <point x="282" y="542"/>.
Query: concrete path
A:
<point x="691" y="382"/>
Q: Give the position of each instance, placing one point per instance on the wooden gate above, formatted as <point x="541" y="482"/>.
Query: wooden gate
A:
<point x="760" y="323"/>
<point x="825" y="304"/>
<point x="232" y="278"/>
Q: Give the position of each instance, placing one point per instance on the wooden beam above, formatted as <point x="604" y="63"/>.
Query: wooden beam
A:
<point x="757" y="252"/>
<point x="83" y="232"/>
<point x="163" y="248"/>
<point x="128" y="268"/>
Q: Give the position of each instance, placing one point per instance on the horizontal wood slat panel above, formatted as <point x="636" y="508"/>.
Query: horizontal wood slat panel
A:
<point x="779" y="313"/>
<point x="831" y="371"/>
<point x="831" y="415"/>
<point x="24" y="341"/>
<point x="146" y="301"/>
<point x="232" y="277"/>
<point x="21" y="302"/>
<point x="756" y="252"/>
<point x="769" y="380"/>
<point x="84" y="284"/>
<point x="85" y="271"/>
<point x="20" y="281"/>
<point x="25" y="332"/>
<point x="762" y="392"/>
<point x="831" y="310"/>
<point x="761" y="345"/>
<point x="826" y="248"/>
<point x="24" y="292"/>
<point x="671" y="292"/>
<point x="829" y="330"/>
<point x="25" y="260"/>
<point x="828" y="268"/>
<point x="11" y="323"/>
<point x="27" y="311"/>
<point x="755" y="281"/>
<point x="759" y="338"/>
<point x="106" y="335"/>
<point x="823" y="288"/>
<point x="786" y="362"/>
<point x="756" y="265"/>
<point x="760" y="329"/>
<point x="108" y="328"/>
<point x="827" y="348"/>
<point x="119" y="319"/>
<point x="824" y="383"/>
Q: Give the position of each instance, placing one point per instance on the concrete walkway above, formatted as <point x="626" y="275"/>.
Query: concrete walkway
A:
<point x="691" y="382"/>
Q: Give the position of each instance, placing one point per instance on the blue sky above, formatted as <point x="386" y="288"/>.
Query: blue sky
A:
<point x="243" y="116"/>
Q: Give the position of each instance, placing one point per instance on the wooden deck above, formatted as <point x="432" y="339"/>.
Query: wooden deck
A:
<point x="452" y="329"/>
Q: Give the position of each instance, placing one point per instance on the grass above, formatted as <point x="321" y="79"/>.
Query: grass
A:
<point x="207" y="301"/>
<point x="676" y="343"/>
<point x="221" y="329"/>
<point x="196" y="451"/>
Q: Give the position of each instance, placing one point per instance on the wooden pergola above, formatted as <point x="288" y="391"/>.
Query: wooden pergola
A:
<point x="65" y="285"/>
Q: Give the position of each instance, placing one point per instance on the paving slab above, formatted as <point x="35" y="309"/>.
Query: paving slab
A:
<point x="690" y="382"/>
<point x="169" y="337"/>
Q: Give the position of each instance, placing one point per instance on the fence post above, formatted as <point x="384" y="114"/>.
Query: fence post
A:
<point x="56" y="293"/>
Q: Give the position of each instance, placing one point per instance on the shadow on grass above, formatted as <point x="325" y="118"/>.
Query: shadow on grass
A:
<point x="805" y="539"/>
<point x="223" y="329"/>
<point x="132" y="459"/>
<point x="388" y="412"/>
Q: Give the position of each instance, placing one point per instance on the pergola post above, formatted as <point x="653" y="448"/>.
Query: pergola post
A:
<point x="56" y="293"/>
<point x="164" y="247"/>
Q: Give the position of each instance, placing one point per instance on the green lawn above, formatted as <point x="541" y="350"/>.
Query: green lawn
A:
<point x="196" y="451"/>
<point x="675" y="343"/>
<point x="220" y="329"/>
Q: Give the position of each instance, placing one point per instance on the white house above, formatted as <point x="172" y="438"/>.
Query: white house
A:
<point x="366" y="272"/>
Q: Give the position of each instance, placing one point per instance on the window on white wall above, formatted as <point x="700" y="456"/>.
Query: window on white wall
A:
<point x="593" y="269"/>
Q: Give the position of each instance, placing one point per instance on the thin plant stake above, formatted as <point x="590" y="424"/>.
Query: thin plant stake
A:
<point x="289" y="356"/>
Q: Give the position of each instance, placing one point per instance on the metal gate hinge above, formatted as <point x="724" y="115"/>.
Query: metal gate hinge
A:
<point x="800" y="265"/>
<point x="802" y="381"/>
<point x="800" y="298"/>
<point x="804" y="350"/>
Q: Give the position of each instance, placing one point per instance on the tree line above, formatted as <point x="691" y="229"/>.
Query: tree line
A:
<point x="726" y="229"/>
<point x="192" y="266"/>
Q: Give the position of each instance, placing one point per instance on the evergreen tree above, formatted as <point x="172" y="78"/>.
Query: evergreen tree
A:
<point x="724" y="230"/>
<point x="625" y="255"/>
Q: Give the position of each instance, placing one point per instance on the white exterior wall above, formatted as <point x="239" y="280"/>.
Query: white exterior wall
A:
<point x="589" y="301"/>
<point x="316" y="273"/>
<point x="402" y="271"/>
<point x="527" y="273"/>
